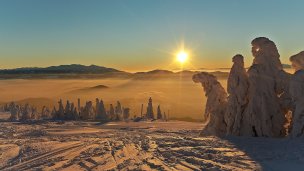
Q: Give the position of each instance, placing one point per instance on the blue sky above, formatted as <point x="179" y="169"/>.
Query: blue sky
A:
<point x="143" y="34"/>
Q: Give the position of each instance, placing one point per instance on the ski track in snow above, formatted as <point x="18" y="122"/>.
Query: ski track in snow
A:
<point x="138" y="146"/>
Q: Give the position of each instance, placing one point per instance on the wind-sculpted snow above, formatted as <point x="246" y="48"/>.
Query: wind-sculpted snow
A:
<point x="215" y="106"/>
<point x="258" y="101"/>
<point x="237" y="88"/>
<point x="263" y="115"/>
<point x="298" y="60"/>
<point x="297" y="93"/>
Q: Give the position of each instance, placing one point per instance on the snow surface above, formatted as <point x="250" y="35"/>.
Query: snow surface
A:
<point x="173" y="145"/>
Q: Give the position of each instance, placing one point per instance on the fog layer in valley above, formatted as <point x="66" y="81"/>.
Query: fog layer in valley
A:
<point x="176" y="94"/>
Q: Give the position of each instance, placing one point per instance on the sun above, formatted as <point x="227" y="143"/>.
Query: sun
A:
<point x="182" y="57"/>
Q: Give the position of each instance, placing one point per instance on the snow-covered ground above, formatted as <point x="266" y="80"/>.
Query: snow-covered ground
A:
<point x="173" y="145"/>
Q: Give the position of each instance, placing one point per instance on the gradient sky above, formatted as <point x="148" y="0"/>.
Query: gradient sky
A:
<point x="137" y="35"/>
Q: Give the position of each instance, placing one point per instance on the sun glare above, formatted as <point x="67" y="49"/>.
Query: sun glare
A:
<point x="182" y="57"/>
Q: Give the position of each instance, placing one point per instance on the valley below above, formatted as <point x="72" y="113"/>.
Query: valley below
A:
<point x="175" y="93"/>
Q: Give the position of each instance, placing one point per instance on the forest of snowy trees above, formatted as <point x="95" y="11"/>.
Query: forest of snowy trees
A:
<point x="69" y="111"/>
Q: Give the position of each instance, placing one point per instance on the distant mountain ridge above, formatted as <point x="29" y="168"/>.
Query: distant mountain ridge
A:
<point x="75" y="71"/>
<point x="156" y="71"/>
<point x="62" y="69"/>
